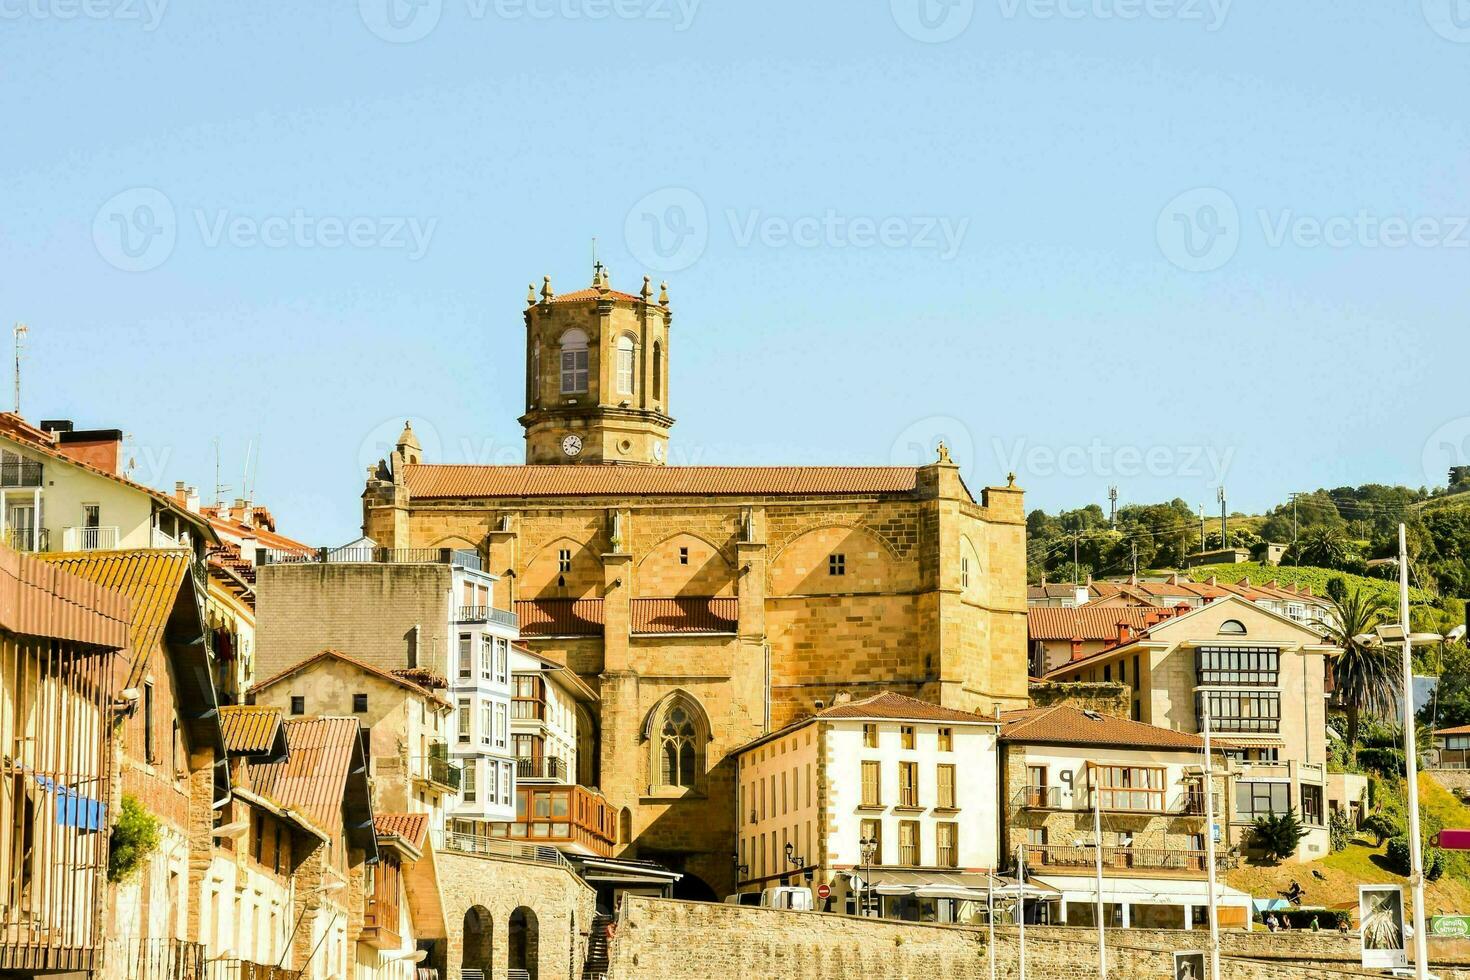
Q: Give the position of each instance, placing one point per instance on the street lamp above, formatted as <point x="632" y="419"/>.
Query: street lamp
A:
<point x="741" y="868"/>
<point x="869" y="848"/>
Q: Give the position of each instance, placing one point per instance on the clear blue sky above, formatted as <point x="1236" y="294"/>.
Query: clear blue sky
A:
<point x="793" y="168"/>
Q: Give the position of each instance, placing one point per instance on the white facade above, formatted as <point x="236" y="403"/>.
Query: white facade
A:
<point x="926" y="790"/>
<point x="543" y="720"/>
<point x="479" y="676"/>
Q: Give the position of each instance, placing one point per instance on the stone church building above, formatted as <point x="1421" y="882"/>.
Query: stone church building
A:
<point x="709" y="605"/>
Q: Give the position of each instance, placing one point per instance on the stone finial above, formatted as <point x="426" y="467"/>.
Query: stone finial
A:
<point x="944" y="453"/>
<point x="546" y="293"/>
<point x="647" y="291"/>
<point x="663" y="294"/>
<point x="530" y="294"/>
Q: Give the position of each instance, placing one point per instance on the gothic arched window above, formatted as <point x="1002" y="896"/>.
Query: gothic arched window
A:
<point x="625" y="365"/>
<point x="573" y="362"/>
<point x="677" y="732"/>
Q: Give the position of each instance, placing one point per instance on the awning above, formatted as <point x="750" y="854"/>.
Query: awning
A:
<point x="967" y="886"/>
<point x="1233" y="740"/>
<point x="1143" y="891"/>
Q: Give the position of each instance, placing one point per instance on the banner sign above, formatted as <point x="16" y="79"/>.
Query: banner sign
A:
<point x="1189" y="965"/>
<point x="1454" y="926"/>
<point x="1381" y="925"/>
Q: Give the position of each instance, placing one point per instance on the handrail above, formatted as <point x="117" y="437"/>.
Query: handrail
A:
<point x="449" y="840"/>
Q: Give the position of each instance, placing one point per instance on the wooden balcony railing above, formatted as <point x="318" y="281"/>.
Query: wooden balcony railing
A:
<point x="1190" y="802"/>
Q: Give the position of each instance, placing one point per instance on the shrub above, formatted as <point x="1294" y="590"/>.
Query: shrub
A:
<point x="1383" y="760"/>
<point x="1398" y="859"/>
<point x="1382" y="827"/>
<point x="1278" y="835"/>
<point x="134" y="837"/>
<point x="1341" y="829"/>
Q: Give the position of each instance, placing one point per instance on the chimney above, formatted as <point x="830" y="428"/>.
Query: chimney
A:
<point x="1181" y="609"/>
<point x="819" y="704"/>
<point x="191" y="499"/>
<point x="1076" y="648"/>
<point x="1173" y="578"/>
<point x="1125" y="632"/>
<point x="248" y="544"/>
<point x="841" y="697"/>
<point x="98" y="448"/>
<point x="1082" y="596"/>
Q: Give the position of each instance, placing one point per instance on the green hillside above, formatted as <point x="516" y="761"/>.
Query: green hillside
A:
<point x="1304" y="576"/>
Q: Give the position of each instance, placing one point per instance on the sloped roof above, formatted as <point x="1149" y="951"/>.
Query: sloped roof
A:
<point x="592" y="292"/>
<point x="1063" y="724"/>
<point x="559" y="617"/>
<point x="149" y="579"/>
<point x="411" y="827"/>
<point x="1084" y="622"/>
<point x="362" y="665"/>
<point x="252" y="729"/>
<point x="1457" y="730"/>
<point x="324" y="777"/>
<point x="899" y="707"/>
<point x="451" y="481"/>
<point x="40" y="599"/>
<point x="685" y="614"/>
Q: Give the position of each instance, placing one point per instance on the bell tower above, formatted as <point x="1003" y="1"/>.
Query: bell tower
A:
<point x="597" y="387"/>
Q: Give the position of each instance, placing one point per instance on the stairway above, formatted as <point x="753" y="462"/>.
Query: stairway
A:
<point x="595" y="967"/>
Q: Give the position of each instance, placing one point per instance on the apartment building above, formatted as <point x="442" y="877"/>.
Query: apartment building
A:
<point x="889" y="800"/>
<point x="406" y="724"/>
<point x="63" y="659"/>
<point x="1262" y="678"/>
<point x="1059" y="764"/>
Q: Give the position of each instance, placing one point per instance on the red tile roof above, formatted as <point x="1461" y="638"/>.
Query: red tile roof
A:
<point x="362" y="665"/>
<point x="1457" y="730"/>
<point x="685" y="614"/>
<point x="559" y="617"/>
<point x="582" y="295"/>
<point x="1085" y="622"/>
<point x="411" y="827"/>
<point x="313" y="778"/>
<point x="40" y="599"/>
<point x="898" y="707"/>
<point x="428" y="482"/>
<point x="250" y="729"/>
<point x="1063" y="724"/>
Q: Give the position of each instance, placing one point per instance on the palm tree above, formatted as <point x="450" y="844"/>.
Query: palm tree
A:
<point x="1364" y="673"/>
<point x="1323" y="546"/>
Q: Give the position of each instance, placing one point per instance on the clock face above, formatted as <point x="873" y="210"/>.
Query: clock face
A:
<point x="572" y="445"/>
<point x="658" y="450"/>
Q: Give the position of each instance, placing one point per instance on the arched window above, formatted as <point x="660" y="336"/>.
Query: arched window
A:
<point x="625" y="365"/>
<point x="533" y="378"/>
<point x="1232" y="627"/>
<point x="677" y="731"/>
<point x="573" y="362"/>
<point x="658" y="371"/>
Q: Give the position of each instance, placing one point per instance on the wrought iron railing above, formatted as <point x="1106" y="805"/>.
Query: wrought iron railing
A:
<point x="547" y="767"/>
<point x="448" y="840"/>
<point x="156" y="959"/>
<point x="29" y="539"/>
<point x="1084" y="856"/>
<point x="486" y="614"/>
<point x="436" y="767"/>
<point x="464" y="558"/>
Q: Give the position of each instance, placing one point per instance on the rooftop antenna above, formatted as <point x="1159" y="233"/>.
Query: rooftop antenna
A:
<point x="21" y="330"/>
<point x="245" y="477"/>
<point x="1112" y="506"/>
<point x="219" y="488"/>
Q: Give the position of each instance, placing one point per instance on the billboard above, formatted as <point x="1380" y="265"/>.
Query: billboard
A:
<point x="1189" y="965"/>
<point x="1381" y="925"/>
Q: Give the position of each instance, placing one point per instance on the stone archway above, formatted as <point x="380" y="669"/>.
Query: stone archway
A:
<point x="525" y="942"/>
<point x="479" y="942"/>
<point x="693" y="888"/>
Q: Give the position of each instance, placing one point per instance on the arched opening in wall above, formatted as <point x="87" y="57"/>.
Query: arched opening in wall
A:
<point x="524" y="942"/>
<point x="589" y="765"/>
<point x="479" y="934"/>
<point x="658" y="371"/>
<point x="693" y="888"/>
<point x="625" y="826"/>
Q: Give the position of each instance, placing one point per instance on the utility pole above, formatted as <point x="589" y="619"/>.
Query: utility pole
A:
<point x="1210" y="846"/>
<point x="1112" y="506"/>
<point x="1021" y="905"/>
<point x="1411" y="767"/>
<point x="1201" y="528"/>
<point x="1135" y="560"/>
<point x="1294" y="494"/>
<point x="21" y="330"/>
<point x="1224" y="521"/>
<point x="1102" y="952"/>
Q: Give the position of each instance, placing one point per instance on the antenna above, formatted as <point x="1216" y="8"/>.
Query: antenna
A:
<point x="245" y="477"/>
<point x="1224" y="520"/>
<point x="1112" y="506"/>
<point x="21" y="330"/>
<point x="219" y="487"/>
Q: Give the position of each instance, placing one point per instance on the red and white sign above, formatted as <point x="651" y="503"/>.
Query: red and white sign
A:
<point x="1452" y="840"/>
<point x="823" y="891"/>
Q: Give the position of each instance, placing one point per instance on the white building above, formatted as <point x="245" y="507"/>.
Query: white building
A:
<point x="917" y="781"/>
<point x="480" y="690"/>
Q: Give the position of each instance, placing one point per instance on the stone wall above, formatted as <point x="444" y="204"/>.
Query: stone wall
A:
<point x="673" y="940"/>
<point x="1457" y="781"/>
<point x="560" y="905"/>
<point x="1111" y="698"/>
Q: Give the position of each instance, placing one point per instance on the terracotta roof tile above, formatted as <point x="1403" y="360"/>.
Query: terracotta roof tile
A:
<point x="1457" y="730"/>
<point x="1085" y="622"/>
<point x="559" y="617"/>
<point x="428" y="482"/>
<point x="1065" y="725"/>
<point x="40" y="599"/>
<point x="582" y="295"/>
<point x="313" y="778"/>
<point x="898" y="706"/>
<point x="412" y="827"/>
<point x="685" y="614"/>
<point x="250" y="729"/>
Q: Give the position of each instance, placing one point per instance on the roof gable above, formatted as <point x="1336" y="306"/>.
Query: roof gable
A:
<point x="374" y="672"/>
<point x="324" y="777"/>
<point x="1062" y="724"/>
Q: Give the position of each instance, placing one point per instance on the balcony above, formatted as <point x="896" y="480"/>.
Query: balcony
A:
<point x="245" y="970"/>
<point x="89" y="538"/>
<point x="550" y="768"/>
<point x="436" y="768"/>
<point x="1188" y="802"/>
<point x="1071" y="858"/>
<point x="20" y="473"/>
<point x="564" y="815"/>
<point x="28" y="539"/>
<point x="486" y="614"/>
<point x="1306" y="772"/>
<point x="461" y="557"/>
<point x="448" y="840"/>
<point x="157" y="959"/>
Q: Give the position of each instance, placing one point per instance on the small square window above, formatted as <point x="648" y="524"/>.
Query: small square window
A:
<point x="564" y="560"/>
<point x="359" y="703"/>
<point x="298" y="704"/>
<point x="946" y="739"/>
<point x="836" y="564"/>
<point x="870" y="736"/>
<point x="683" y="556"/>
<point x="907" y="733"/>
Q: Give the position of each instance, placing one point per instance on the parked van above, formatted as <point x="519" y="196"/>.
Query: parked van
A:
<point x="787" y="897"/>
<point x="743" y="898"/>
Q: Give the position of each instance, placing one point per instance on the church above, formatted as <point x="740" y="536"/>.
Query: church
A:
<point x="709" y="605"/>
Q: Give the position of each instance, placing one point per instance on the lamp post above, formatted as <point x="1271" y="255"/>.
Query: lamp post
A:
<point x="869" y="848"/>
<point x="797" y="861"/>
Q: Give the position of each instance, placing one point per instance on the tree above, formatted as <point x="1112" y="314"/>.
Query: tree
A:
<point x="1278" y="835"/>
<point x="1323" y="546"/>
<point x="1364" y="673"/>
